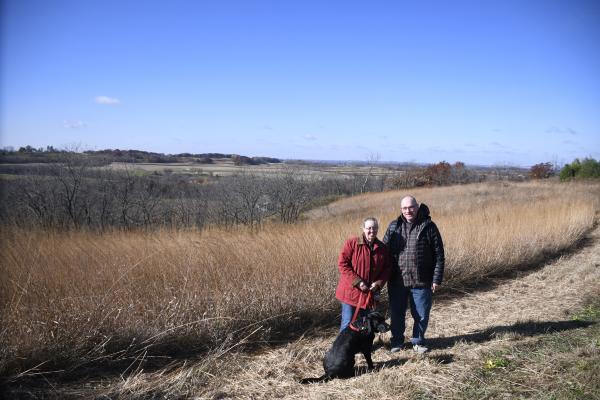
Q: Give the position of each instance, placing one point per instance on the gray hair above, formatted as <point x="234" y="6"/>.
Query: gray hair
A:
<point x="413" y="201"/>
<point x="370" y="219"/>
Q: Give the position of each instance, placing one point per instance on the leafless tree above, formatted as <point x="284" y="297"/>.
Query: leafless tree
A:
<point x="371" y="162"/>
<point x="240" y="199"/>
<point x="290" y="194"/>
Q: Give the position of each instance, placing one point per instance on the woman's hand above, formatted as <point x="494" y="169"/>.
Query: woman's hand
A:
<point x="362" y="286"/>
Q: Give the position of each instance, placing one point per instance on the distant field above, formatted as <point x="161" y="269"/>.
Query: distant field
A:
<point x="225" y="167"/>
<point x="305" y="169"/>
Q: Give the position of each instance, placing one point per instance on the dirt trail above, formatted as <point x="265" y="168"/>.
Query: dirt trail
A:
<point x="461" y="329"/>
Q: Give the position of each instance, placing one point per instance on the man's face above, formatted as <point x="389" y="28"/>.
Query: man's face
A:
<point x="409" y="209"/>
<point x="370" y="230"/>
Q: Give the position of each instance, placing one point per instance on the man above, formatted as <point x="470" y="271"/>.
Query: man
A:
<point x="416" y="247"/>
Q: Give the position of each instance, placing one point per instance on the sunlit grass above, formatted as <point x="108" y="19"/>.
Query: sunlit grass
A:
<point x="69" y="299"/>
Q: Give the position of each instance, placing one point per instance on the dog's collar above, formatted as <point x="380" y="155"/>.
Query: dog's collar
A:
<point x="359" y="330"/>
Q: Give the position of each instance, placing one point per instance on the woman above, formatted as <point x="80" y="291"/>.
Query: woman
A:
<point x="364" y="265"/>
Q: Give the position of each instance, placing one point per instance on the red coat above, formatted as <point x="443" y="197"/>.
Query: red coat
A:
<point x="358" y="263"/>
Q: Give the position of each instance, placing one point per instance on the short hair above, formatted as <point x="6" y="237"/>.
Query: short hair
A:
<point x="412" y="200"/>
<point x="370" y="219"/>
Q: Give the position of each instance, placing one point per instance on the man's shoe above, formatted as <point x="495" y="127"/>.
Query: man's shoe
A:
<point x="420" y="348"/>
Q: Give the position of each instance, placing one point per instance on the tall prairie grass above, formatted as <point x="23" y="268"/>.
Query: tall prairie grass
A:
<point x="70" y="299"/>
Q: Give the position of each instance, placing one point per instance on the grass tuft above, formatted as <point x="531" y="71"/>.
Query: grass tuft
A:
<point x="496" y="362"/>
<point x="590" y="313"/>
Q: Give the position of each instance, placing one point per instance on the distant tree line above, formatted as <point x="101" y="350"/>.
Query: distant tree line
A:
<point x="29" y="154"/>
<point x="587" y="168"/>
<point x="75" y="191"/>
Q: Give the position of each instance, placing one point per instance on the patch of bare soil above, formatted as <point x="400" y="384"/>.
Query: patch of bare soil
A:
<point x="461" y="330"/>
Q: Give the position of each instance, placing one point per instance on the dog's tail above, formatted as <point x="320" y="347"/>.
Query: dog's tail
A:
<point x="322" y="378"/>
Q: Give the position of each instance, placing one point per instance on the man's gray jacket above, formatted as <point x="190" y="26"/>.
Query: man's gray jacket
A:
<point x="430" y="248"/>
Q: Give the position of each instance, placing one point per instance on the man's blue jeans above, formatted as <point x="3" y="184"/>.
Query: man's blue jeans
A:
<point x="348" y="313"/>
<point x="420" y="306"/>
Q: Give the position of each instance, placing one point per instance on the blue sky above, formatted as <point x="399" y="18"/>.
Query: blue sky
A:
<point x="484" y="82"/>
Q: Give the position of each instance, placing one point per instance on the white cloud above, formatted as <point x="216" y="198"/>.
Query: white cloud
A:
<point x="561" y="131"/>
<point x="107" y="100"/>
<point x="571" y="131"/>
<point x="435" y="149"/>
<point x="310" y="137"/>
<point x="74" y="124"/>
<point x="553" y="129"/>
<point x="569" y="142"/>
<point x="499" y="145"/>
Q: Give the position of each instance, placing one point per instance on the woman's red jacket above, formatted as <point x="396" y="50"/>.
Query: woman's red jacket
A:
<point x="357" y="262"/>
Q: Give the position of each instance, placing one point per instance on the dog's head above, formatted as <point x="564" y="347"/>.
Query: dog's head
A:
<point x="372" y="322"/>
<point x="377" y="321"/>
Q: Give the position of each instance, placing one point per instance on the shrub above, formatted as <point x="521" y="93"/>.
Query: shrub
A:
<point x="541" y="171"/>
<point x="439" y="174"/>
<point x="588" y="168"/>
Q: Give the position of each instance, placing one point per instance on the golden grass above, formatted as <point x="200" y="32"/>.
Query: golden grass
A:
<point x="463" y="332"/>
<point x="71" y="299"/>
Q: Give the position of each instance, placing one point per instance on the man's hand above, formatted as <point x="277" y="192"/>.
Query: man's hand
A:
<point x="362" y="286"/>
<point x="435" y="287"/>
<point x="374" y="287"/>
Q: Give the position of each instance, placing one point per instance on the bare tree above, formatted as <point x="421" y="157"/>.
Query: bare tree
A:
<point x="371" y="162"/>
<point x="290" y="194"/>
<point x="242" y="199"/>
<point x="34" y="200"/>
<point x="147" y="199"/>
<point x="70" y="176"/>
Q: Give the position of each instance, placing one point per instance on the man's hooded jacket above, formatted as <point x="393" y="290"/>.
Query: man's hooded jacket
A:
<point x="429" y="248"/>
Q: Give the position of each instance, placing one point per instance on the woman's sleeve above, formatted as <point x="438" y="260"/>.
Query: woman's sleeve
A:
<point x="345" y="262"/>
<point x="386" y="269"/>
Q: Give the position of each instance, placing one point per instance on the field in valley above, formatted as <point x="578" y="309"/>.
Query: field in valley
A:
<point x="199" y="312"/>
<point x="226" y="167"/>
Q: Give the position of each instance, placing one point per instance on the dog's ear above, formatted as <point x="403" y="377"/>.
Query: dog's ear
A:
<point x="376" y="315"/>
<point x="376" y="318"/>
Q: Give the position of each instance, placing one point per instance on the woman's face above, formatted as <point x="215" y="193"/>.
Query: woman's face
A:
<point x="370" y="230"/>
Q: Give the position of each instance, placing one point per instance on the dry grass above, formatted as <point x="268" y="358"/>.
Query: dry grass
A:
<point x="560" y="365"/>
<point x="83" y="297"/>
<point x="490" y="228"/>
<point x="538" y="323"/>
<point x="124" y="300"/>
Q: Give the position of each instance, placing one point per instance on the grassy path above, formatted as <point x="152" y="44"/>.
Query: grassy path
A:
<point x="528" y="336"/>
<point x="472" y="336"/>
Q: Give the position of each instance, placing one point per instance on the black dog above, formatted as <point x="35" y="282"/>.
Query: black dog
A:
<point x="355" y="338"/>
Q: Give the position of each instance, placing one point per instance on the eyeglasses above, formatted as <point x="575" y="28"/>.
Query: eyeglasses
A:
<point x="409" y="208"/>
